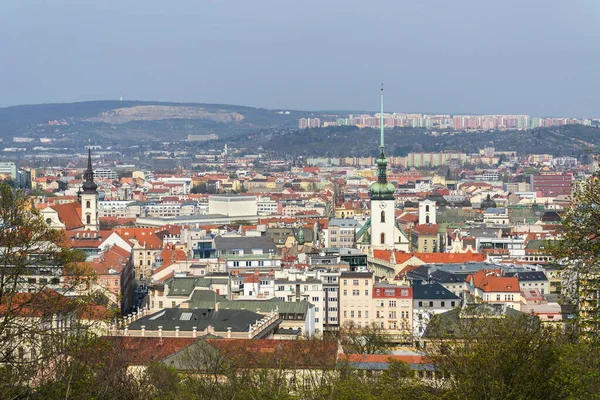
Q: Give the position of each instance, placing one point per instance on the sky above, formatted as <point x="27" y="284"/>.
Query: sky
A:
<point x="537" y="57"/>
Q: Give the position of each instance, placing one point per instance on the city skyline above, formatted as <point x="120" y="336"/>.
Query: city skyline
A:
<point x="460" y="58"/>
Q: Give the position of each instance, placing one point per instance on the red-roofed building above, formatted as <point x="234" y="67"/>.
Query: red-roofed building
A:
<point x="491" y="287"/>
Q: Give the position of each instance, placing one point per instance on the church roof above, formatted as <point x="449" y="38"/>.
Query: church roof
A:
<point x="69" y="214"/>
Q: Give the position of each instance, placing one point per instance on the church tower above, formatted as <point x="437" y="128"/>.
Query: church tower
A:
<point x="89" y="198"/>
<point x="382" y="199"/>
<point x="427" y="212"/>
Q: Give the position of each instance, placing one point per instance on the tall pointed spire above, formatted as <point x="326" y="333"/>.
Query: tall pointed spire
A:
<point x="381" y="121"/>
<point x="89" y="186"/>
<point x="382" y="189"/>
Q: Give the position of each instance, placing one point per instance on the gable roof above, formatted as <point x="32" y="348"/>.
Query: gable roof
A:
<point x="491" y="281"/>
<point x="432" y="291"/>
<point x="69" y="214"/>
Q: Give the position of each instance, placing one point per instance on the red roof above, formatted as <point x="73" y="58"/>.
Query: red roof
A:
<point x="429" y="230"/>
<point x="491" y="281"/>
<point x="69" y="214"/>
<point x="266" y="353"/>
<point x="401" y="257"/>
<point x="142" y="350"/>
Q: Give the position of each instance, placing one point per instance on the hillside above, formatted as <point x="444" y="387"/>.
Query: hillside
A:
<point x="135" y="120"/>
<point x="572" y="140"/>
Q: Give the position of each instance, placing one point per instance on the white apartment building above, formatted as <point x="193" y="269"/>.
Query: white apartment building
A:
<point x="266" y="206"/>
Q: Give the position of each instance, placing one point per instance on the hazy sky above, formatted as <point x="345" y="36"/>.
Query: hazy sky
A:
<point x="540" y="57"/>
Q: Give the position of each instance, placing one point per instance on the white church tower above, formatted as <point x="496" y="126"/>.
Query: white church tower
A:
<point x="383" y="229"/>
<point x="89" y="198"/>
<point x="427" y="212"/>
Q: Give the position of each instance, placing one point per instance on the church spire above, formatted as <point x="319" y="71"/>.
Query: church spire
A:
<point x="89" y="186"/>
<point x="382" y="190"/>
<point x="381" y="145"/>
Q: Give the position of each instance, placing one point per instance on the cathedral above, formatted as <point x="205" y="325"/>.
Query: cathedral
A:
<point x="381" y="231"/>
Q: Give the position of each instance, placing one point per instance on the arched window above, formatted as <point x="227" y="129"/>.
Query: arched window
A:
<point x="383" y="216"/>
<point x="427" y="208"/>
<point x="427" y="219"/>
<point x="87" y="204"/>
<point x="88" y="219"/>
<point x="382" y="238"/>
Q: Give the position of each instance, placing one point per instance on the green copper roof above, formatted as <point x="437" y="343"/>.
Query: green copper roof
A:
<point x="382" y="191"/>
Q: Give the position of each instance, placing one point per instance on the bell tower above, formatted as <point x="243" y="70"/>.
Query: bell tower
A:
<point x="89" y="198"/>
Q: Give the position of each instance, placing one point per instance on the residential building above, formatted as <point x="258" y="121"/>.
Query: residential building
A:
<point x="356" y="290"/>
<point x="429" y="299"/>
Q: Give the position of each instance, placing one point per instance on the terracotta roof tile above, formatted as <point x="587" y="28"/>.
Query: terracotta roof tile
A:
<point x="69" y="214"/>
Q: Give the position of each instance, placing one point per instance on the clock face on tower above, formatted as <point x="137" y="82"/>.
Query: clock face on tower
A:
<point x="382" y="205"/>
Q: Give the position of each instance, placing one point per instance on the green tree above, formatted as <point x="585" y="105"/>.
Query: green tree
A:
<point x="510" y="357"/>
<point x="577" y="256"/>
<point x="37" y="324"/>
<point x="370" y="339"/>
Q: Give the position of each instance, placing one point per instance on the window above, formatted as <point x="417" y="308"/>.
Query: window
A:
<point x="345" y="282"/>
<point x="87" y="204"/>
<point x="443" y="304"/>
<point x="383" y="216"/>
<point x="498" y="297"/>
<point x="248" y="263"/>
<point x="116" y="283"/>
<point x="345" y="292"/>
<point x="160" y="304"/>
<point x="366" y="292"/>
<point x="148" y="262"/>
<point x="316" y="319"/>
<point x="236" y="263"/>
<point x="355" y="282"/>
<point x="352" y="314"/>
<point x="427" y="219"/>
<point x="404" y="292"/>
<point x="366" y="314"/>
<point x="452" y="303"/>
<point x="431" y="304"/>
<point x="261" y="263"/>
<point x="173" y="304"/>
<point x="420" y="304"/>
<point x="315" y="299"/>
<point x="356" y="293"/>
<point x="382" y="238"/>
<point x="366" y="282"/>
<point x="392" y="303"/>
<point x="392" y="315"/>
<point x="427" y="208"/>
<point x="88" y="219"/>
<point x="359" y="314"/>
